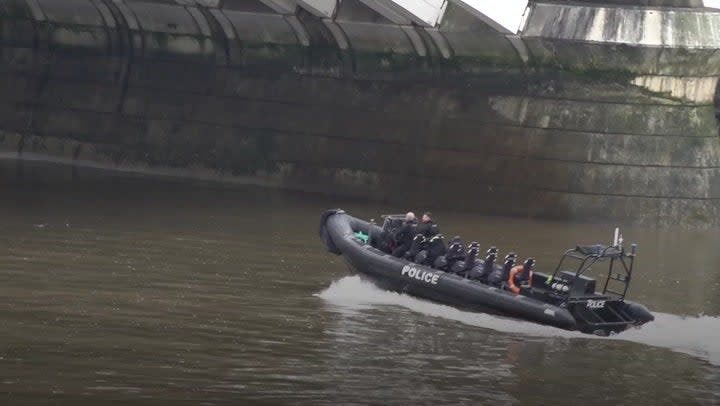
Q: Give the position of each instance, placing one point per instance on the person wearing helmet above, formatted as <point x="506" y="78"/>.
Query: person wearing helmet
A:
<point x="521" y="275"/>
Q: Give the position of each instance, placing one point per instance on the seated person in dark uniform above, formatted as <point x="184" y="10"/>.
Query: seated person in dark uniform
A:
<point x="386" y="241"/>
<point x="436" y="249"/>
<point x="427" y="227"/>
<point x="455" y="251"/>
<point x="419" y="244"/>
<point x="404" y="235"/>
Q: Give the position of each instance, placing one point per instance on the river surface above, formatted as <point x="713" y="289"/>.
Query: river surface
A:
<point x="145" y="291"/>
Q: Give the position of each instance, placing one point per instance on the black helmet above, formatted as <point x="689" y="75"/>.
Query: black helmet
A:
<point x="529" y="263"/>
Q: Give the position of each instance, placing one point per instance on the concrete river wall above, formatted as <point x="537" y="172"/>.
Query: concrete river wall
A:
<point x="592" y="111"/>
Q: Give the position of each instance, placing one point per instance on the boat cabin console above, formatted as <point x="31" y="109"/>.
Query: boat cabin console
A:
<point x="392" y="222"/>
<point x="598" y="310"/>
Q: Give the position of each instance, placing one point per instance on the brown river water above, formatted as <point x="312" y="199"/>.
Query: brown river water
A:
<point x="154" y="292"/>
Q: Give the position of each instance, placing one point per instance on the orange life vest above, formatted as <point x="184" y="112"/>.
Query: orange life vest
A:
<point x="511" y="280"/>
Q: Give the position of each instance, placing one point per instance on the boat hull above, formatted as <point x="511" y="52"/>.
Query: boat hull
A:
<point x="337" y="231"/>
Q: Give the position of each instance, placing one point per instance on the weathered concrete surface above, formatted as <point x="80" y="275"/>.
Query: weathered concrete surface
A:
<point x="594" y="111"/>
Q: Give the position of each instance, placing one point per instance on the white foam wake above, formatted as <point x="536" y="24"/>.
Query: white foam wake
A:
<point x="697" y="336"/>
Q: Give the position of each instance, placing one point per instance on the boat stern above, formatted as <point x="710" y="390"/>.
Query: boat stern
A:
<point x="604" y="316"/>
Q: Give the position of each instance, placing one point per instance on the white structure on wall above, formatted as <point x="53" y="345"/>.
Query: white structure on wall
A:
<point x="427" y="13"/>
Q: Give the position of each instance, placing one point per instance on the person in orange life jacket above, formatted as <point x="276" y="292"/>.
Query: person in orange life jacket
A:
<point x="521" y="275"/>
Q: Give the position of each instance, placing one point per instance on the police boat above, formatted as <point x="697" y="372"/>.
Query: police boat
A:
<point x="566" y="298"/>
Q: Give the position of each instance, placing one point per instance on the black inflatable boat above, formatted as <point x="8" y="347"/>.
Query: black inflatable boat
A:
<point x="567" y="298"/>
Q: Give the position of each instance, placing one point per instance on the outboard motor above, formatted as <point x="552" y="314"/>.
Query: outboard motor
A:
<point x="464" y="267"/>
<point x="500" y="275"/>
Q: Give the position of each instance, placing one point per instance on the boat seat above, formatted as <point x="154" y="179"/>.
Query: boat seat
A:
<point x="456" y="250"/>
<point x="499" y="276"/>
<point x="440" y="263"/>
<point x="483" y="268"/>
<point x="421" y="257"/>
<point x="418" y="244"/>
<point x="436" y="247"/>
<point x="465" y="266"/>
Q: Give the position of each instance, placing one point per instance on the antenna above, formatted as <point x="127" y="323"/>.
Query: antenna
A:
<point x="617" y="234"/>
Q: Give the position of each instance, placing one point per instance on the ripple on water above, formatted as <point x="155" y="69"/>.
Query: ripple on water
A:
<point x="206" y="297"/>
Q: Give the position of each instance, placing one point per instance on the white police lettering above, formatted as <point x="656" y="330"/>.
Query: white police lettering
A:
<point x="419" y="274"/>
<point x="595" y="304"/>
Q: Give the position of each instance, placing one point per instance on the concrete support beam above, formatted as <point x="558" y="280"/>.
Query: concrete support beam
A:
<point x="477" y="14"/>
<point x="649" y="3"/>
<point x="380" y="50"/>
<point x="281" y="6"/>
<point x="67" y="17"/>
<point x="673" y="28"/>
<point x="320" y="8"/>
<point x="170" y="31"/>
<point x="37" y="12"/>
<point x="404" y="12"/>
<point x="475" y="39"/>
<point x="674" y="42"/>
<point x="266" y="41"/>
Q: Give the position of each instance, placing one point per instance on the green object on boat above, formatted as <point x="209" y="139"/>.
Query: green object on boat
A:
<point x="361" y="236"/>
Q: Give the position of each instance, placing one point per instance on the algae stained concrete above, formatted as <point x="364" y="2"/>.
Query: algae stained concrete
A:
<point x="593" y="111"/>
